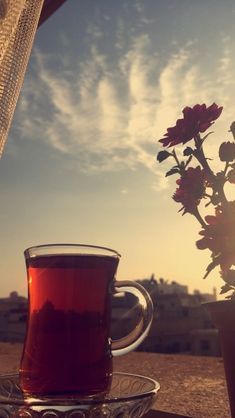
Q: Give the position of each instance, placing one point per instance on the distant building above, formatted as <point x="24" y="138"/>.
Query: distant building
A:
<point x="177" y="314"/>
<point x="13" y="315"/>
<point x="166" y="288"/>
<point x="180" y="323"/>
<point x="208" y="297"/>
<point x="204" y="342"/>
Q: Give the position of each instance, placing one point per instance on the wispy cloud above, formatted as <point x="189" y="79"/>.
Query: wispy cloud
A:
<point x="108" y="115"/>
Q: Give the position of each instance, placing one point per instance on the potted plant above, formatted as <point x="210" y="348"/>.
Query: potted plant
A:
<point x="198" y="185"/>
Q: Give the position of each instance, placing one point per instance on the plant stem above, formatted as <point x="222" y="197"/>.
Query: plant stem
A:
<point x="226" y="167"/>
<point x="179" y="165"/>
<point x="199" y="218"/>
<point x="216" y="181"/>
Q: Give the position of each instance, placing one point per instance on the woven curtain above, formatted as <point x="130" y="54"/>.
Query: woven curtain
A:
<point x="18" y="24"/>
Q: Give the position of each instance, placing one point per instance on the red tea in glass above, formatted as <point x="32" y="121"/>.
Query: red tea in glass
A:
<point x="68" y="350"/>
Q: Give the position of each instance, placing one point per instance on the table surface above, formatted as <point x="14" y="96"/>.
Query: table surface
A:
<point x="162" y="414"/>
<point x="191" y="386"/>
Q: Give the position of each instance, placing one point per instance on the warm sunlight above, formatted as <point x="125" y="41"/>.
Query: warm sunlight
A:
<point x="103" y="84"/>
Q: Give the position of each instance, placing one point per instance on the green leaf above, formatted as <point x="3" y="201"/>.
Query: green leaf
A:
<point x="229" y="277"/>
<point x="172" y="171"/>
<point x="211" y="266"/>
<point x="204" y="137"/>
<point x="163" y="155"/>
<point x="225" y="288"/>
<point x="231" y="296"/>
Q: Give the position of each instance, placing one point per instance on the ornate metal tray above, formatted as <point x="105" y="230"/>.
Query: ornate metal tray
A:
<point x="130" y="396"/>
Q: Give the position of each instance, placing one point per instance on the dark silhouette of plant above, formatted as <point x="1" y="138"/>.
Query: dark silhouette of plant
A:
<point x="197" y="184"/>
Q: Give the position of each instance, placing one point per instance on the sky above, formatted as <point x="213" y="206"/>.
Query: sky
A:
<point x="104" y="81"/>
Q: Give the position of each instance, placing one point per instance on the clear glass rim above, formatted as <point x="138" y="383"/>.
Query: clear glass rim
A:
<point x="69" y="249"/>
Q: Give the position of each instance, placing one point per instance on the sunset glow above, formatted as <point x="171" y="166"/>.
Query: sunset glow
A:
<point x="104" y="82"/>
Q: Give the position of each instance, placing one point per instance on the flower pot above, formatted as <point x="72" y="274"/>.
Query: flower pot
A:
<point x="223" y="316"/>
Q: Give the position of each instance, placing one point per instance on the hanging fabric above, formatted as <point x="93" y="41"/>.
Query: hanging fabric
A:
<point x="19" y="20"/>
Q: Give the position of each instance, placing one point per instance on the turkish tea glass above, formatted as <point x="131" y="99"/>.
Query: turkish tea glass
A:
<point x="68" y="349"/>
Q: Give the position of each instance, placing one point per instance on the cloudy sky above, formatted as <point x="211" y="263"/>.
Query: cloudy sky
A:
<point x="104" y="81"/>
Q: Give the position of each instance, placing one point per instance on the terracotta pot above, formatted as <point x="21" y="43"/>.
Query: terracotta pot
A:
<point x="223" y="316"/>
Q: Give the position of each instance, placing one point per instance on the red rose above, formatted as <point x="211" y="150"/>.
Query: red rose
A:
<point x="192" y="186"/>
<point x="197" y="119"/>
<point x="218" y="236"/>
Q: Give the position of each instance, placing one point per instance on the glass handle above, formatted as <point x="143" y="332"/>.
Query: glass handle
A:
<point x="138" y="334"/>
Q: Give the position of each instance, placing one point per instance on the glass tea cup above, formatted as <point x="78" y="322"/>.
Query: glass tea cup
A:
<point x="68" y="349"/>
